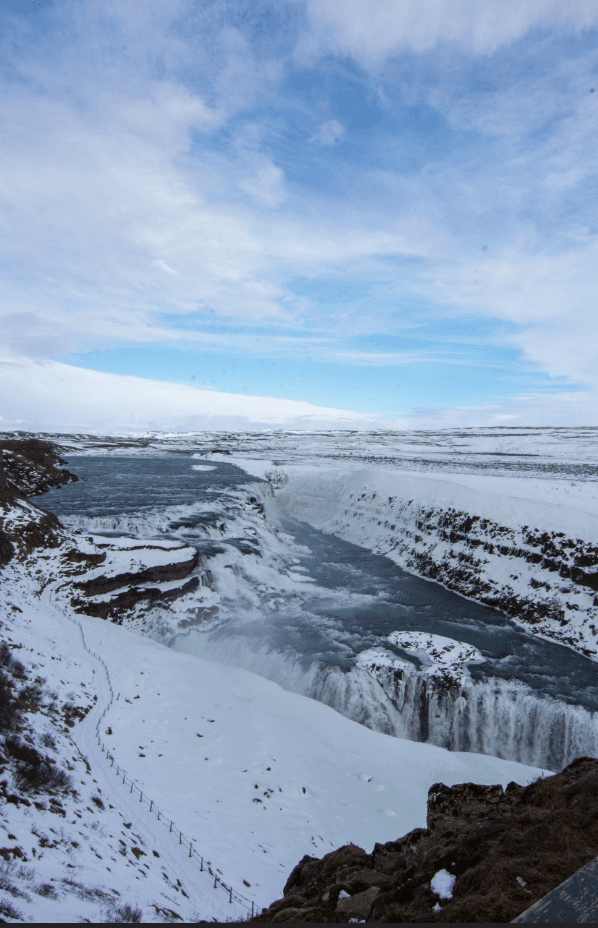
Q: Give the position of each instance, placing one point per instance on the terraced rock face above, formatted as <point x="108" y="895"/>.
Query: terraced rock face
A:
<point x="486" y="855"/>
<point x="543" y="579"/>
<point x="506" y="553"/>
<point x="117" y="580"/>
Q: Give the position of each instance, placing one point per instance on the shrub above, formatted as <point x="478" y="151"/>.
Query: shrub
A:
<point x="125" y="913"/>
<point x="32" y="693"/>
<point x="23" y="752"/>
<point x="8" y="909"/>
<point x="9" y="711"/>
<point x="35" y="773"/>
<point x="9" y="662"/>
<point x="46" y="889"/>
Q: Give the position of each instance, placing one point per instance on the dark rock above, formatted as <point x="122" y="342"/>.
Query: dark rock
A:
<point x="506" y="848"/>
<point x="359" y="905"/>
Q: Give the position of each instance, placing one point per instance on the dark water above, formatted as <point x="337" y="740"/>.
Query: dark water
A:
<point x="531" y="700"/>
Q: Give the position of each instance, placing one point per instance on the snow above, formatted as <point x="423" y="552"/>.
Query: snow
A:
<point x="325" y="496"/>
<point x="198" y="736"/>
<point x="500" y="548"/>
<point x="322" y="780"/>
<point x="442" y="884"/>
<point x="439" y="655"/>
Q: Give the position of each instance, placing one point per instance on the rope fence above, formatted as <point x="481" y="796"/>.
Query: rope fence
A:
<point x="204" y="866"/>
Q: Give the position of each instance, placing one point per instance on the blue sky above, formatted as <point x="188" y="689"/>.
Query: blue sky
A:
<point x="380" y="206"/>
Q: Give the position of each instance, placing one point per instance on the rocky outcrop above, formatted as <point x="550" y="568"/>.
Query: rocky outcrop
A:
<point x="29" y="467"/>
<point x="485" y="856"/>
<point x="545" y="579"/>
<point x="114" y="595"/>
<point x="113" y="580"/>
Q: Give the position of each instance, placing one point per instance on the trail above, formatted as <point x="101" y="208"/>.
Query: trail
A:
<point x="178" y="852"/>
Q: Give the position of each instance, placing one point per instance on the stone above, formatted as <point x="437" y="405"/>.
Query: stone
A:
<point x="359" y="905"/>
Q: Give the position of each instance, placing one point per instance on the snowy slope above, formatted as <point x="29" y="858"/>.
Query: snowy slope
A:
<point x="284" y="775"/>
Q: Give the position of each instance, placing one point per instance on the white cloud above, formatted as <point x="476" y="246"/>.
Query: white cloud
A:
<point x="118" y="208"/>
<point x="557" y="409"/>
<point x="372" y="30"/>
<point x="60" y="397"/>
<point x="329" y="132"/>
<point x="50" y="396"/>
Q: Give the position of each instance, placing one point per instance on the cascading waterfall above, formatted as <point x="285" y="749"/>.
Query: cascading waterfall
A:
<point x="295" y="635"/>
<point x="496" y="717"/>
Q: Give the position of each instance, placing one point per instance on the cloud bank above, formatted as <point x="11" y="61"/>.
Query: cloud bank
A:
<point x="307" y="179"/>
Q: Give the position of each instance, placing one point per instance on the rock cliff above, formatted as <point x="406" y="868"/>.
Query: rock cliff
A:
<point x="501" y="551"/>
<point x="115" y="580"/>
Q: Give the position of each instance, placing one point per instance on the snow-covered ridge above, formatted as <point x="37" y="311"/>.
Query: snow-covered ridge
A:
<point x="535" y="562"/>
<point x="108" y="577"/>
<point x="444" y="660"/>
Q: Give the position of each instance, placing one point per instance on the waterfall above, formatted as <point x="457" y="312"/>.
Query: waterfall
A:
<point x="503" y="718"/>
<point x="496" y="717"/>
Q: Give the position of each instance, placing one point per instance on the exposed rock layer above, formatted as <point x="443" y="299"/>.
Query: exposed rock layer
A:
<point x="506" y="849"/>
<point x="29" y="468"/>
<point x="545" y="580"/>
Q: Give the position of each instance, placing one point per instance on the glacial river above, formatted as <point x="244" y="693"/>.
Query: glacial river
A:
<point x="531" y="700"/>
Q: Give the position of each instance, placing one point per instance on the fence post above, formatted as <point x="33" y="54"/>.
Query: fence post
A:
<point x="170" y="829"/>
<point x="252" y="909"/>
<point x="201" y="867"/>
<point x="215" y="880"/>
<point x="180" y="838"/>
<point x="190" y="846"/>
<point x="230" y="894"/>
<point x="151" y="805"/>
<point x="141" y="799"/>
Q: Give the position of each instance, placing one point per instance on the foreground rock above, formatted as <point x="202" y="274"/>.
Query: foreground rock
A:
<point x="486" y="855"/>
